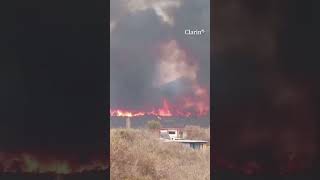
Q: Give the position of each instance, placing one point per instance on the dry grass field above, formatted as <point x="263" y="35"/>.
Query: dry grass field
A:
<point x="138" y="154"/>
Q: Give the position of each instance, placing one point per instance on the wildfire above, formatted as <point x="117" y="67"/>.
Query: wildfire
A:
<point x="200" y="108"/>
<point x="27" y="163"/>
<point x="173" y="64"/>
<point x="123" y="113"/>
<point x="164" y="111"/>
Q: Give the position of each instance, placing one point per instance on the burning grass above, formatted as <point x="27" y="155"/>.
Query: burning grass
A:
<point x="139" y="154"/>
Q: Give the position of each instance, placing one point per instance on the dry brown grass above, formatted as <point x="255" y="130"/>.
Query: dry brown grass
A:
<point x="140" y="155"/>
<point x="198" y="133"/>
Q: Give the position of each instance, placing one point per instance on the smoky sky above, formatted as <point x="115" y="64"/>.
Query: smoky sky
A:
<point x="265" y="84"/>
<point x="53" y="77"/>
<point x="135" y="41"/>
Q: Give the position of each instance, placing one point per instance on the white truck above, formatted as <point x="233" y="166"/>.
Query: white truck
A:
<point x="175" y="135"/>
<point x="170" y="134"/>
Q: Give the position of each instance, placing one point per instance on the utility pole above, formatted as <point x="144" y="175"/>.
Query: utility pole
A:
<point x="128" y="123"/>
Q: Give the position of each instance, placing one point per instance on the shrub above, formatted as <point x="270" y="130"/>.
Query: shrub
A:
<point x="198" y="133"/>
<point x="153" y="124"/>
<point x="140" y="155"/>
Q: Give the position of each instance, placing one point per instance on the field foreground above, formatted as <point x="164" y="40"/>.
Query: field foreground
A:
<point x="138" y="154"/>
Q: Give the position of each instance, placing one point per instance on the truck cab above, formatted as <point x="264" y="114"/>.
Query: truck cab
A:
<point x="171" y="134"/>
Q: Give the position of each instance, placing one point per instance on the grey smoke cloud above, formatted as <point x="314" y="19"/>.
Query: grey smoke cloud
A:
<point x="138" y="30"/>
<point x="164" y="9"/>
<point x="173" y="64"/>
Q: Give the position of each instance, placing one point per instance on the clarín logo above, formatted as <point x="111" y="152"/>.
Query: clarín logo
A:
<point x="194" y="32"/>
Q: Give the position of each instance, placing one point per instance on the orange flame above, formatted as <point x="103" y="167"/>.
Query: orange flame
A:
<point x="164" y="111"/>
<point x="123" y="113"/>
<point x="199" y="107"/>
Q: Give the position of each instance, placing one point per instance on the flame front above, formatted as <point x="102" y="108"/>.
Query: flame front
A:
<point x="164" y="111"/>
<point x="124" y="113"/>
<point x="200" y="108"/>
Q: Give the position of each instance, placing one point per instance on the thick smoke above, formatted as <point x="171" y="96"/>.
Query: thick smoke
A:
<point x="174" y="64"/>
<point x="143" y="69"/>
